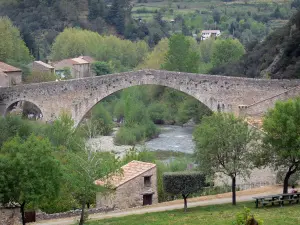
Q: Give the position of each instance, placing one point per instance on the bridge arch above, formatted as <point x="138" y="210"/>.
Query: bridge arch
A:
<point x="12" y="104"/>
<point x="90" y="106"/>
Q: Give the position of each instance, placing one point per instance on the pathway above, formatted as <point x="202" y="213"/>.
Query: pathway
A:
<point x="242" y="196"/>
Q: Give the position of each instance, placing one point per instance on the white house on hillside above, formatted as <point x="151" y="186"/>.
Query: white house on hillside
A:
<point x="205" y="34"/>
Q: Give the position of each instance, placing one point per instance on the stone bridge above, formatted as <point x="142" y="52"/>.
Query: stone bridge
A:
<point x="219" y="93"/>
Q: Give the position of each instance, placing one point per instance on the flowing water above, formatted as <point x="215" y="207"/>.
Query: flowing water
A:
<point x="173" y="138"/>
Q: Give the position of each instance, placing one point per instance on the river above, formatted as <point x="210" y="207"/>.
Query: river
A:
<point x="171" y="138"/>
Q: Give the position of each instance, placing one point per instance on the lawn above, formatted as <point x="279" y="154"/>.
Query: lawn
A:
<point x="211" y="215"/>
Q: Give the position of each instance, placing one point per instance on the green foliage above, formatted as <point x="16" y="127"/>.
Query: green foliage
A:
<point x="102" y="116"/>
<point x="221" y="214"/>
<point x="180" y="57"/>
<point x="157" y="56"/>
<point x="245" y="218"/>
<point x="34" y="174"/>
<point x="226" y="51"/>
<point x="82" y="169"/>
<point x="192" y="108"/>
<point x="184" y="183"/>
<point x="281" y="140"/>
<point x="140" y="155"/>
<point x="63" y="135"/>
<point x="101" y="68"/>
<point x="10" y="126"/>
<point x="223" y="144"/>
<point x="73" y="42"/>
<point x="12" y="47"/>
<point x="38" y="77"/>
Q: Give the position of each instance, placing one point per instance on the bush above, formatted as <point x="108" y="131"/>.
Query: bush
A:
<point x="124" y="137"/>
<point x="184" y="183"/>
<point x="245" y="218"/>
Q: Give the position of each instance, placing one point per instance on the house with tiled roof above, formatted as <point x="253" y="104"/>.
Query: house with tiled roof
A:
<point x="135" y="186"/>
<point x="42" y="67"/>
<point x="9" y="75"/>
<point x="79" y="67"/>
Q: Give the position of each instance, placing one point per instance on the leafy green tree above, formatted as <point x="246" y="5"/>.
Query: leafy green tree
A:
<point x="82" y="169"/>
<point x="34" y="174"/>
<point x="101" y="68"/>
<point x="10" y="126"/>
<point x="180" y="57"/>
<point x="226" y="51"/>
<point x="192" y="108"/>
<point x="155" y="58"/>
<point x="281" y="138"/>
<point x="223" y="145"/>
<point x="63" y="134"/>
<point x="12" y="47"/>
<point x="184" y="183"/>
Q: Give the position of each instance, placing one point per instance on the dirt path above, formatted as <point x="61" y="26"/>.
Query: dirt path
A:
<point x="242" y="196"/>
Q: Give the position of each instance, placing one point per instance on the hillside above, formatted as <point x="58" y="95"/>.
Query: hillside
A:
<point x="41" y="21"/>
<point x="278" y="56"/>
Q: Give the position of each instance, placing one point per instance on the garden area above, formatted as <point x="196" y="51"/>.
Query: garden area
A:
<point x="225" y="214"/>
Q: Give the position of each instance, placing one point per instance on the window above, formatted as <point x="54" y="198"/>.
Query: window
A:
<point x="147" y="181"/>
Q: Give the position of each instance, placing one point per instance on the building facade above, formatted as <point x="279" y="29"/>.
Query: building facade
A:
<point x="205" y="34"/>
<point x="79" y="67"/>
<point x="135" y="186"/>
<point x="42" y="67"/>
<point x="9" y="75"/>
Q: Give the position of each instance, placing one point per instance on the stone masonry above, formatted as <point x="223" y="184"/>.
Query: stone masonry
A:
<point x="77" y="97"/>
<point x="129" y="188"/>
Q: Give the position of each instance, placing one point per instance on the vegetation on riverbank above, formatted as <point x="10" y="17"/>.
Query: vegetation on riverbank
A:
<point x="224" y="214"/>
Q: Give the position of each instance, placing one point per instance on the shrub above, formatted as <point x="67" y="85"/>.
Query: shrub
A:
<point x="184" y="183"/>
<point x="245" y="218"/>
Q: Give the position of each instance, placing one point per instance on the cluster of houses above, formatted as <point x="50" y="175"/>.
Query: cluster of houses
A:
<point x="75" y="67"/>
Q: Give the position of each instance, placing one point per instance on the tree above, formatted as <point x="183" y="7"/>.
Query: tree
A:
<point x="184" y="183"/>
<point x="12" y="47"/>
<point x="226" y="51"/>
<point x="223" y="145"/>
<point x="101" y="68"/>
<point x="281" y="139"/>
<point x="180" y="57"/>
<point x="82" y="169"/>
<point x="63" y="134"/>
<point x="34" y="174"/>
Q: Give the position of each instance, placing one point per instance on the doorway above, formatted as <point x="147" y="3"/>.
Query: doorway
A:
<point x="147" y="199"/>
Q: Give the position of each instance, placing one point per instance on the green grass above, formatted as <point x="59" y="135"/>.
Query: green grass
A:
<point x="210" y="215"/>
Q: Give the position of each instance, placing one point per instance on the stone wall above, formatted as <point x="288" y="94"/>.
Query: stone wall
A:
<point x="44" y="216"/>
<point x="10" y="216"/>
<point x="130" y="194"/>
<point x="78" y="96"/>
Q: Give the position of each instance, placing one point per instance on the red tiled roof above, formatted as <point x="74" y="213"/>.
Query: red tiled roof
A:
<point x="8" y="68"/>
<point x="129" y="171"/>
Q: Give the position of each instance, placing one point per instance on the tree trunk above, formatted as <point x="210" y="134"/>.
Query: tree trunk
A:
<point x="82" y="214"/>
<point x="233" y="189"/>
<point x="185" y="202"/>
<point x="23" y="212"/>
<point x="286" y="181"/>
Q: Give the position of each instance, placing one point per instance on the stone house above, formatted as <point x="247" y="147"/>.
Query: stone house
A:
<point x="9" y="75"/>
<point x="42" y="67"/>
<point x="135" y="186"/>
<point x="79" y="67"/>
